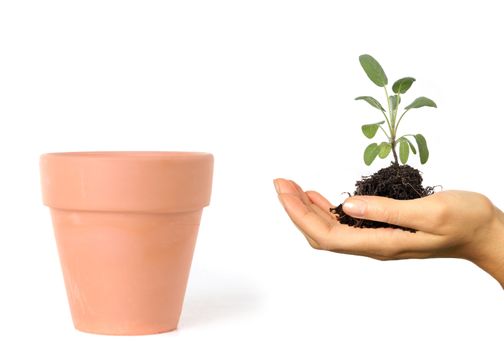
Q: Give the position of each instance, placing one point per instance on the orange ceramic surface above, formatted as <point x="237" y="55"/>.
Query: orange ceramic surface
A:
<point x="126" y="225"/>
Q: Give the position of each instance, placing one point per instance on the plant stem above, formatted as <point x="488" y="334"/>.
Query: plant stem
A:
<point x="392" y="128"/>
<point x="400" y="118"/>
<point x="393" y="144"/>
<point x="397" y="110"/>
<point x="388" y="137"/>
<point x="388" y="104"/>
<point x="387" y="119"/>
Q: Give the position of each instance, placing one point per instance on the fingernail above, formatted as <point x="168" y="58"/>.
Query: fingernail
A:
<point x="277" y="189"/>
<point x="284" y="186"/>
<point x="354" y="207"/>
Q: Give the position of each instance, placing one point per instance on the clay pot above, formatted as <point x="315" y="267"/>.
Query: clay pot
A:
<point x="126" y="226"/>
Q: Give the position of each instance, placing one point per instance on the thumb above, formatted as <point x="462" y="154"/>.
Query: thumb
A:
<point x="414" y="213"/>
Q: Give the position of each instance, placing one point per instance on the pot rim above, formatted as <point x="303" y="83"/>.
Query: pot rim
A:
<point x="127" y="181"/>
<point x="129" y="154"/>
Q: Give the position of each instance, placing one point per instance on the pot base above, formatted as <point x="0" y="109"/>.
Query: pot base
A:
<point x="127" y="333"/>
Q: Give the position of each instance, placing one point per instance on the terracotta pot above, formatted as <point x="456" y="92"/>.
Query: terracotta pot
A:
<point x="126" y="225"/>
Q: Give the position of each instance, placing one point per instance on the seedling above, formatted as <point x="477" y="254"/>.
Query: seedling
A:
<point x="377" y="75"/>
<point x="395" y="181"/>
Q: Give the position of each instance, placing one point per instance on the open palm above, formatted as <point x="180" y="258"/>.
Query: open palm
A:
<point x="449" y="224"/>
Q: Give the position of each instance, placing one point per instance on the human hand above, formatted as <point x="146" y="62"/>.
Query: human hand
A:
<point x="455" y="224"/>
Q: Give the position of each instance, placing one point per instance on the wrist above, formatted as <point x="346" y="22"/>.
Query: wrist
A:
<point x="490" y="251"/>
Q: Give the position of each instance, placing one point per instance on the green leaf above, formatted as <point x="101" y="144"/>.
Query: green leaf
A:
<point x="402" y="85"/>
<point x="370" y="129"/>
<point x="394" y="102"/>
<point x="385" y="149"/>
<point x="373" y="70"/>
<point x="421" y="102"/>
<point x="422" y="148"/>
<point x="373" y="102"/>
<point x="403" y="151"/>
<point x="370" y="153"/>
<point x="413" y="149"/>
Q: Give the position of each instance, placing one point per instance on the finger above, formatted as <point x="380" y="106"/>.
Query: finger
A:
<point x="284" y="186"/>
<point x="323" y="212"/>
<point x="321" y="203"/>
<point x="312" y="243"/>
<point x="319" y="200"/>
<point x="416" y="213"/>
<point x="291" y="187"/>
<point x="301" y="193"/>
<point x="313" y="225"/>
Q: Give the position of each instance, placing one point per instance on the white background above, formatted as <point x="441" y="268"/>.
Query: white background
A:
<point x="268" y="88"/>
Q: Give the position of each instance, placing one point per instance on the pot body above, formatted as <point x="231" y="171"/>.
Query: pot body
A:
<point x="126" y="226"/>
